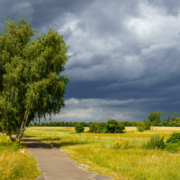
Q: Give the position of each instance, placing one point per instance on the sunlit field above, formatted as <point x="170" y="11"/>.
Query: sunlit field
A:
<point x="120" y="156"/>
<point x="15" y="162"/>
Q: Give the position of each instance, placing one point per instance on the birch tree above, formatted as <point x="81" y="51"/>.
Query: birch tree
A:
<point x="31" y="81"/>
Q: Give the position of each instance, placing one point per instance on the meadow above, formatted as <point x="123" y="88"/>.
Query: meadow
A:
<point x="120" y="156"/>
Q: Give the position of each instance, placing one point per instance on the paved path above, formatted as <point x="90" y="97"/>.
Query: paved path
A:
<point x="55" y="165"/>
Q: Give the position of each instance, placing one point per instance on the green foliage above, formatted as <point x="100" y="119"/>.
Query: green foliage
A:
<point x="175" y="138"/>
<point x="172" y="147"/>
<point x="155" y="118"/>
<point x="155" y="142"/>
<point x="79" y="128"/>
<point x="173" y="143"/>
<point x="93" y="127"/>
<point x="84" y="124"/>
<point x="31" y="81"/>
<point x="141" y="126"/>
<point x="111" y="125"/>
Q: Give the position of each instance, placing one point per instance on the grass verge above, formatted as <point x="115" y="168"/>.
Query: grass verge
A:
<point x="15" y="161"/>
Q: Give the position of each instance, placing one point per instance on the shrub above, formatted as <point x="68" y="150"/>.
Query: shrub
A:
<point x="119" y="129"/>
<point x="93" y="127"/>
<point x="79" y="128"/>
<point x="172" y="147"/>
<point x="111" y="126"/>
<point x="175" y="138"/>
<point x="141" y="126"/>
<point x="155" y="142"/>
<point x="173" y="143"/>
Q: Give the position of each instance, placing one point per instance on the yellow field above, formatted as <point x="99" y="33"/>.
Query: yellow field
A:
<point x="157" y="128"/>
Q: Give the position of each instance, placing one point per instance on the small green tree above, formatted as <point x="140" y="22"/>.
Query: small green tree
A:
<point x="141" y="126"/>
<point x="79" y="128"/>
<point x="70" y="124"/>
<point x="31" y="81"/>
<point x="155" y="118"/>
<point x="111" y="126"/>
<point x="93" y="127"/>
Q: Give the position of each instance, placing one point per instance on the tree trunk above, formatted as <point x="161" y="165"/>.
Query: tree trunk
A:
<point x="20" y="130"/>
<point x="23" y="125"/>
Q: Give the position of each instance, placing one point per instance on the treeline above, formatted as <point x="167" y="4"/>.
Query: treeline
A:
<point x="154" y="119"/>
<point x="61" y="124"/>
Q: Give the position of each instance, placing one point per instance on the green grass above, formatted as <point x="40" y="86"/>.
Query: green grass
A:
<point x="15" y="161"/>
<point x="120" y="156"/>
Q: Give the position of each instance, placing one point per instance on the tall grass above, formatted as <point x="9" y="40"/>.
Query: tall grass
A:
<point x="15" y="162"/>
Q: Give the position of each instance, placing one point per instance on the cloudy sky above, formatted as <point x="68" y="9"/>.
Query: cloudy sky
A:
<point x="124" y="54"/>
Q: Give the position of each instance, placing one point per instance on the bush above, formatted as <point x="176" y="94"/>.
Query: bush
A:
<point x="141" y="126"/>
<point x="175" y="138"/>
<point x="172" y="147"/>
<point x="173" y="143"/>
<point x="93" y="127"/>
<point x="119" y="129"/>
<point x="155" y="142"/>
<point x="111" y="126"/>
<point x="79" y="128"/>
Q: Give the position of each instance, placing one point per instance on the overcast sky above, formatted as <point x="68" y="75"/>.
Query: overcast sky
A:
<point x="125" y="55"/>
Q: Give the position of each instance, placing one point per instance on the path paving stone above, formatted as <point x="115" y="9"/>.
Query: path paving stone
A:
<point x="55" y="165"/>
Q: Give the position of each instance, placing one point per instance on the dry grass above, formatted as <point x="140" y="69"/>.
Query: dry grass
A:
<point x="130" y="135"/>
<point x="157" y="128"/>
<point x="15" y="161"/>
<point x="47" y="127"/>
<point x="132" y="128"/>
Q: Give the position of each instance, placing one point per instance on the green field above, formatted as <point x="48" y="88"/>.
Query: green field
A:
<point x="120" y="156"/>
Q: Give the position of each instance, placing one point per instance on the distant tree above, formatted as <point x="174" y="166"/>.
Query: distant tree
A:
<point x="141" y="126"/>
<point x="89" y="124"/>
<point x="155" y="118"/>
<point x="111" y="126"/>
<point x="62" y="124"/>
<point x="58" y="123"/>
<point x="31" y="81"/>
<point x="50" y="123"/>
<point x="54" y="124"/>
<point x="70" y="124"/>
<point x="177" y="120"/>
<point x="84" y="124"/>
<point x="66" y="124"/>
<point x="121" y="124"/>
<point x="46" y="124"/>
<point x="147" y="124"/>
<point x="74" y="123"/>
<point x="93" y="127"/>
<point x="42" y="124"/>
<point x="79" y="128"/>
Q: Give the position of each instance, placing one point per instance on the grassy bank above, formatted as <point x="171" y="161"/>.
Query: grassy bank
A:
<point x="120" y="156"/>
<point x="15" y="162"/>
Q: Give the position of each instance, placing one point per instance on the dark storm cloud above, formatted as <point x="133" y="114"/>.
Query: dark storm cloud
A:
<point x="171" y="7"/>
<point x="124" y="54"/>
